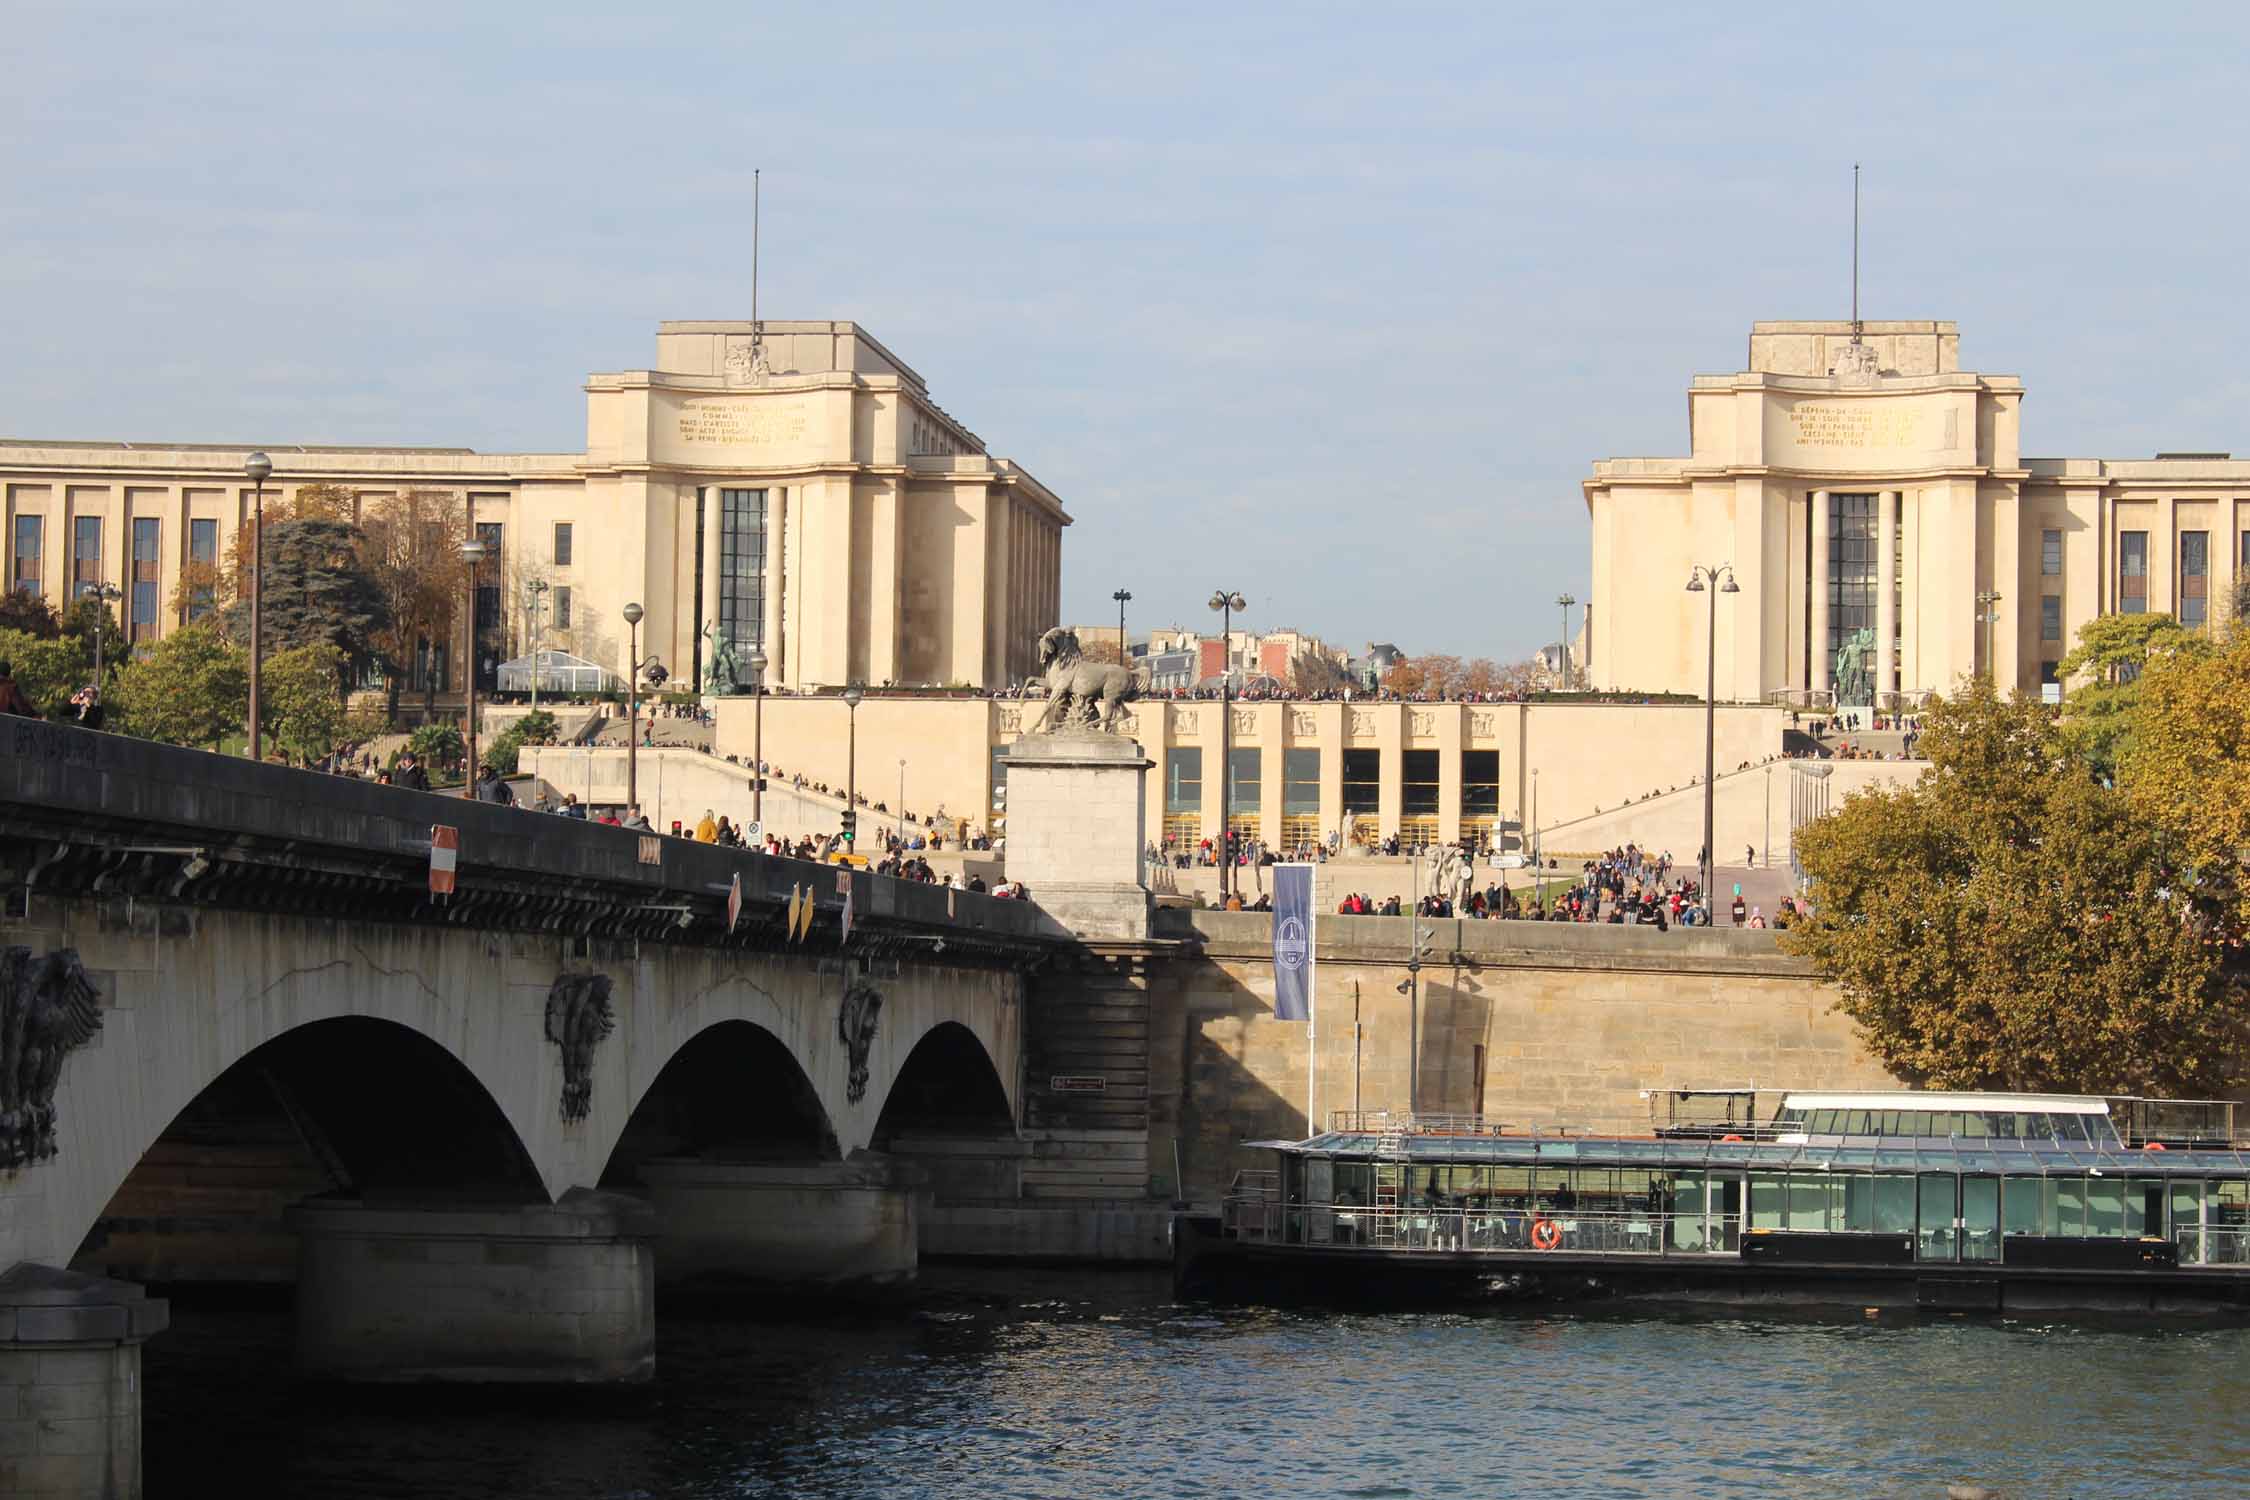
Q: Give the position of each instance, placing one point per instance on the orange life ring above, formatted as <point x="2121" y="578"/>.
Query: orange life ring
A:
<point x="1545" y="1234"/>
<point x="1726" y="1138"/>
<point x="2153" y="1146"/>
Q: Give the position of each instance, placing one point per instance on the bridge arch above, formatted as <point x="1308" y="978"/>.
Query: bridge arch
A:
<point x="732" y="1089"/>
<point x="948" y="1083"/>
<point x="362" y="1105"/>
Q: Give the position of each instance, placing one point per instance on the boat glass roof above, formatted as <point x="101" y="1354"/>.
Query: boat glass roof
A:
<point x="1903" y="1155"/>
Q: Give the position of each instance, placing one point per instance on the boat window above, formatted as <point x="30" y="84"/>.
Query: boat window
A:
<point x="1855" y="1122"/>
<point x="1816" y="1201"/>
<point x="1769" y="1201"/>
<point x="1888" y="1122"/>
<point x="2019" y="1205"/>
<point x="2063" y="1206"/>
<point x="1976" y="1125"/>
<point x="1785" y="1118"/>
<point x="2069" y="1127"/>
<point x="1355" y="1183"/>
<point x="2105" y="1208"/>
<point x="1894" y="1205"/>
<point x="2144" y="1208"/>
<point x="1896" y="1156"/>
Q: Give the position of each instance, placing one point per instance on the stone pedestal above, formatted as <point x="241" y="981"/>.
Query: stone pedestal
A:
<point x="70" y="1383"/>
<point x="815" y="1225"/>
<point x="1077" y="829"/>
<point x="533" y="1294"/>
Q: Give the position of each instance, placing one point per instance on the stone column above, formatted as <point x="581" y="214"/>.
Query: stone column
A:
<point x="70" y="1383"/>
<point x="714" y="509"/>
<point x="1886" y="595"/>
<point x="1817" y="582"/>
<point x="509" y="1294"/>
<point x="1076" y="808"/>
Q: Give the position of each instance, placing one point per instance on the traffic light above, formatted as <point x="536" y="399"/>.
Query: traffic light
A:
<point x="851" y="826"/>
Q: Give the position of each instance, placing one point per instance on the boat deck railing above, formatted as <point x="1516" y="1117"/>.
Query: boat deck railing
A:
<point x="1400" y="1123"/>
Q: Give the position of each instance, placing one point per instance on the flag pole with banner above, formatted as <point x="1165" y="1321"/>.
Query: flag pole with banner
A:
<point x="1293" y="964"/>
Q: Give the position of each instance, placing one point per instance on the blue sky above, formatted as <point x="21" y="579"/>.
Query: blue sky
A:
<point x="1329" y="304"/>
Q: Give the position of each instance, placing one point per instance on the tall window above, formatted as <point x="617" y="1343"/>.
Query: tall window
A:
<point x="562" y="607"/>
<point x="1300" y="797"/>
<point x="742" y="572"/>
<point x="562" y="544"/>
<point x="1245" y="789"/>
<point x="2132" y="572"/>
<point x="2050" y="553"/>
<point x="203" y="559"/>
<point x="148" y="535"/>
<point x="1852" y="540"/>
<point x="2195" y="577"/>
<point x="85" y="556"/>
<point x="1183" y="795"/>
<point x="30" y="544"/>
<point x="2050" y="617"/>
<point x="1480" y="796"/>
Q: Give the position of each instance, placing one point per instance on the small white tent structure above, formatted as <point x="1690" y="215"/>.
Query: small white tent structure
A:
<point x="557" y="672"/>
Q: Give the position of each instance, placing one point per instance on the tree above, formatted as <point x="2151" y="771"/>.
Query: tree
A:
<point x="48" y="670"/>
<point x="2008" y="922"/>
<point x="303" y="700"/>
<point x="1481" y="676"/>
<point x="88" y="617"/>
<point x="412" y="550"/>
<point x="1101" y="649"/>
<point x="2104" y="667"/>
<point x="29" y="614"/>
<point x="317" y="591"/>
<point x="193" y="688"/>
<point x="1314" y="672"/>
<point x="2186" y="766"/>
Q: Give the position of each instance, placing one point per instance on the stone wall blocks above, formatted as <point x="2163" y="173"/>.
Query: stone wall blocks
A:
<point x="72" y="1325"/>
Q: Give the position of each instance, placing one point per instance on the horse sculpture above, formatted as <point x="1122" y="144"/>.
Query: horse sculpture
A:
<point x="1092" y="693"/>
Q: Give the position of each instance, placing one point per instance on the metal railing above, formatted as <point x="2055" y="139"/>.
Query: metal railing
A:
<point x="2214" y="1247"/>
<point x="1265" y="1220"/>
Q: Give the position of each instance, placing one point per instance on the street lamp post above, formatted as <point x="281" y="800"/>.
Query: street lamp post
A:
<point x="259" y="468"/>
<point x="1988" y="615"/>
<point x="537" y="588"/>
<point x="757" y="665"/>
<point x="1714" y="580"/>
<point x="898" y="815"/>
<point x="472" y="552"/>
<point x="1563" y="649"/>
<point x="853" y="692"/>
<point x="102" y="595"/>
<point x="632" y="613"/>
<point x="1123" y="598"/>
<point x="1226" y="602"/>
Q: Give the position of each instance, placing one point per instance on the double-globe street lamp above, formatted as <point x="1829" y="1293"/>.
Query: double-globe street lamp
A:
<point x="1123" y="598"/>
<point x="1714" y="580"/>
<point x="535" y="606"/>
<point x="259" y="468"/>
<point x="1562" y="650"/>
<point x="1226" y="602"/>
<point x="1988" y="615"/>
<point x="472" y="553"/>
<point x="757" y="665"/>
<point x="103" y="594"/>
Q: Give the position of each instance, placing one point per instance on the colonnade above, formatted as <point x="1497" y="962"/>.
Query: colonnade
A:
<point x="1820" y="661"/>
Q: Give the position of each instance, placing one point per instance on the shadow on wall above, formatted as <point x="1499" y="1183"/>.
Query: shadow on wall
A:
<point x="1452" y="1041"/>
<point x="733" y="1092"/>
<point x="1233" y="1044"/>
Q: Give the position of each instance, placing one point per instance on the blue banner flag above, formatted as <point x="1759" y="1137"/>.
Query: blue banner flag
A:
<point x="1292" y="942"/>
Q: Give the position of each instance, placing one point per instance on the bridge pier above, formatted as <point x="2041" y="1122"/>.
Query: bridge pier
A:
<point x="70" y="1383"/>
<point x="817" y="1225"/>
<point x="512" y="1294"/>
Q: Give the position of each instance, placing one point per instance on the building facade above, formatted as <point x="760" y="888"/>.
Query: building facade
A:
<point x="1887" y="536"/>
<point x="788" y="487"/>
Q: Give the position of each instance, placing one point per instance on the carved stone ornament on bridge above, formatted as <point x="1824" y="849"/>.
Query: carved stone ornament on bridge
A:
<point x="1245" y="722"/>
<point x="48" y="1007"/>
<point x="855" y="1028"/>
<point x="578" y="1017"/>
<point x="1183" y="722"/>
<point x="1009" y="721"/>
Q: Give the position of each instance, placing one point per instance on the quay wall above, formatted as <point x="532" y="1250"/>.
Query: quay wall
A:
<point x="1521" y="1022"/>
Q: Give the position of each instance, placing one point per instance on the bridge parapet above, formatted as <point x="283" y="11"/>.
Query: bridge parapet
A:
<point x="84" y="811"/>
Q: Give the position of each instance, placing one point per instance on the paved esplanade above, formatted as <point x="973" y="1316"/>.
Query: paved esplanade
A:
<point x="472" y="1070"/>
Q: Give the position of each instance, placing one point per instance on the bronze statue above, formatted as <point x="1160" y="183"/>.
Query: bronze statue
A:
<point x="1092" y="693"/>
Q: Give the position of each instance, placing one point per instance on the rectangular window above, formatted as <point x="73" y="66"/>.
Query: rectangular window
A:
<point x="562" y="608"/>
<point x="742" y="575"/>
<point x="1419" y="778"/>
<point x="2050" y="618"/>
<point x="30" y="542"/>
<point x="562" y="544"/>
<point x="491" y="642"/>
<point x="1300" y="782"/>
<point x="85" y="556"/>
<point x="2050" y="553"/>
<point x="1245" y="787"/>
<point x="203" y="562"/>
<point x="148" y="538"/>
<point x="1853" y="538"/>
<point x="1363" y="782"/>
<point x="2132" y="572"/>
<point x="1183" y="779"/>
<point x="2195" y="577"/>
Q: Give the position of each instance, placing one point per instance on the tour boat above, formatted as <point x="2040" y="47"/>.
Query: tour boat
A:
<point x="1965" y="1201"/>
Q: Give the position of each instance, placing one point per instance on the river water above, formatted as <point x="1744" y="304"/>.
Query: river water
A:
<point x="1069" y="1384"/>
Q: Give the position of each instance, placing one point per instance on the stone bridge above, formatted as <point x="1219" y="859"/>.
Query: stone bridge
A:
<point x="576" y="1069"/>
